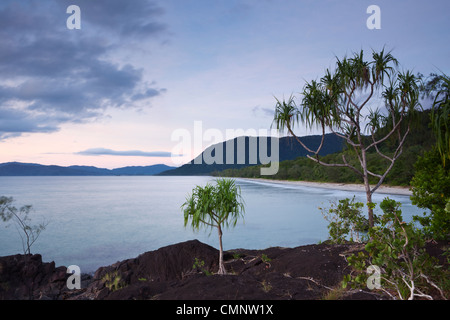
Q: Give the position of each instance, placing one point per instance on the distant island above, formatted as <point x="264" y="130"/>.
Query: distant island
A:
<point x="33" y="169"/>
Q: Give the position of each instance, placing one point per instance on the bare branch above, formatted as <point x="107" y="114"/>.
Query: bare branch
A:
<point x="346" y="137"/>
<point x="394" y="129"/>
<point x="434" y="285"/>
<point x="397" y="154"/>
<point x="374" y="174"/>
<point x="350" y="166"/>
<point x="303" y="145"/>
<point x="346" y="165"/>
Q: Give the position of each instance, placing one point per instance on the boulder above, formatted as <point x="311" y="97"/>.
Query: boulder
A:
<point x="27" y="277"/>
<point x="149" y="273"/>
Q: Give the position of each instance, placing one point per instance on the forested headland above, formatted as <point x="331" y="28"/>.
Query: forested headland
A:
<point x="419" y="140"/>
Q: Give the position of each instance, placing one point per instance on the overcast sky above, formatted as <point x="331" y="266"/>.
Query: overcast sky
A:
<point x="112" y="93"/>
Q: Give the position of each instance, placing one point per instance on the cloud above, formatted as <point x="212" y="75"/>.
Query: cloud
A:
<point x="14" y="122"/>
<point x="148" y="94"/>
<point x="52" y="75"/>
<point x="128" y="18"/>
<point x="266" y="112"/>
<point x="131" y="153"/>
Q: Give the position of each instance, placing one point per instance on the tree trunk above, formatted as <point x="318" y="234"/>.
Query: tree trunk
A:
<point x="369" y="201"/>
<point x="221" y="265"/>
<point x="367" y="187"/>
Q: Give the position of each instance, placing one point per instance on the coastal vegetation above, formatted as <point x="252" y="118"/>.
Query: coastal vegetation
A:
<point x="394" y="259"/>
<point x="346" y="222"/>
<point x="431" y="190"/>
<point x="438" y="87"/>
<point x="215" y="206"/>
<point x="28" y="232"/>
<point x="431" y="182"/>
<point x="394" y="250"/>
<point x="420" y="140"/>
<point x="341" y="102"/>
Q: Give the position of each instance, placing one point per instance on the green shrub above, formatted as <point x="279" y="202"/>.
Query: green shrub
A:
<point x="431" y="190"/>
<point x="346" y="221"/>
<point x="200" y="264"/>
<point x="113" y="281"/>
<point x="396" y="251"/>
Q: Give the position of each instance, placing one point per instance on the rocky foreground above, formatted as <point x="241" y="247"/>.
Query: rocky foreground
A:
<point x="185" y="271"/>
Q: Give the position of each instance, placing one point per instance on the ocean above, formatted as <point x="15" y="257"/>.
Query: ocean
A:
<point x="97" y="221"/>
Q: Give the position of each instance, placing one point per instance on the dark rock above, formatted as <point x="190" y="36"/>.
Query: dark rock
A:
<point x="275" y="273"/>
<point x="150" y="269"/>
<point x="173" y="262"/>
<point x="27" y="277"/>
<point x="170" y="273"/>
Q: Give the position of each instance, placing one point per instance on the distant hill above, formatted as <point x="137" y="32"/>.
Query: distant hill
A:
<point x="289" y="149"/>
<point x="147" y="170"/>
<point x="419" y="140"/>
<point x="33" y="169"/>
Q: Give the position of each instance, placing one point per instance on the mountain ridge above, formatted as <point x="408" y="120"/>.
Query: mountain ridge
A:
<point x="253" y="151"/>
<point x="289" y="149"/>
<point x="35" y="169"/>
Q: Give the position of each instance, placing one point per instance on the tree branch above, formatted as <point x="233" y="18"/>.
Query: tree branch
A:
<point x="387" y="136"/>
<point x="350" y="166"/>
<point x="397" y="154"/>
<point x="347" y="138"/>
<point x="303" y="145"/>
<point x="346" y="165"/>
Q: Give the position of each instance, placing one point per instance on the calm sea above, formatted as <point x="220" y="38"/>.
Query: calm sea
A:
<point x="97" y="221"/>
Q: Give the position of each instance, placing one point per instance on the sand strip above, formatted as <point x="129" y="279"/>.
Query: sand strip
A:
<point x="338" y="186"/>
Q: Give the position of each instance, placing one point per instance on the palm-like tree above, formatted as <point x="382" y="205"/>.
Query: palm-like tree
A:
<point x="214" y="206"/>
<point x="440" y="115"/>
<point x="339" y="103"/>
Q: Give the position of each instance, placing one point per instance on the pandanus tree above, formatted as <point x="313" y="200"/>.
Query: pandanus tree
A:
<point x="363" y="102"/>
<point x="214" y="206"/>
<point x="439" y="87"/>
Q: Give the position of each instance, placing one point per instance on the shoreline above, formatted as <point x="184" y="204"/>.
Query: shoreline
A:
<point x="404" y="191"/>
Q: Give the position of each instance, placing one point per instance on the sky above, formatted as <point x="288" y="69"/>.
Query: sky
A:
<point x="119" y="90"/>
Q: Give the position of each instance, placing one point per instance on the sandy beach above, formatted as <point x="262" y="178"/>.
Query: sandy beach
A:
<point x="339" y="186"/>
